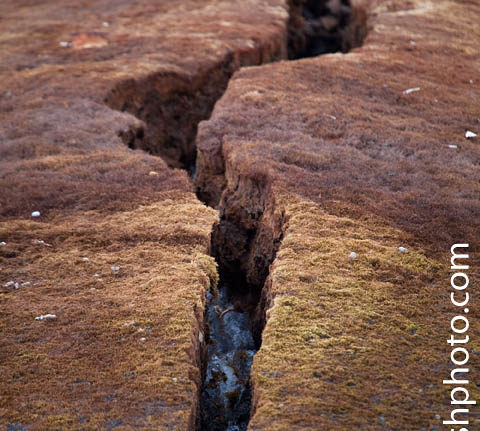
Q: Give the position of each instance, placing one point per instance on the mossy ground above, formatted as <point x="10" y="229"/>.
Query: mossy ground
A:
<point x="355" y="344"/>
<point x="120" y="351"/>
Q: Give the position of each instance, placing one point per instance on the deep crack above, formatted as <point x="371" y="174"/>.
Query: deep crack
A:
<point x="246" y="239"/>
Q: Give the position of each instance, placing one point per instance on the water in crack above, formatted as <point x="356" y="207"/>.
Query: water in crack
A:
<point x="226" y="395"/>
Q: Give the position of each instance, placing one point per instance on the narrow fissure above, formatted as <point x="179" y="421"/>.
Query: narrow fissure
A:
<point x="245" y="240"/>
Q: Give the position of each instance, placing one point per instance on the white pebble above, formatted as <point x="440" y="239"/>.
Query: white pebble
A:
<point x="115" y="268"/>
<point x="453" y="146"/>
<point x="402" y="250"/>
<point x="352" y="255"/>
<point x="65" y="44"/>
<point x="105" y="24"/>
<point x="85" y="259"/>
<point x="174" y="379"/>
<point x="26" y="283"/>
<point x="46" y="316"/>
<point x="36" y="214"/>
<point x="131" y="323"/>
<point x="10" y="284"/>
<point x="411" y="90"/>
<point x="3" y="243"/>
<point x="469" y="134"/>
<point x="413" y="43"/>
<point x="17" y="285"/>
<point x="96" y="275"/>
<point x="143" y="339"/>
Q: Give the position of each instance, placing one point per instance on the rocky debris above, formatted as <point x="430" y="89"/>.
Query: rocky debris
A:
<point x="12" y="283"/>
<point x="469" y="134"/>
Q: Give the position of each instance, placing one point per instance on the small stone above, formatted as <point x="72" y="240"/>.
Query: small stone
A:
<point x="453" y="146"/>
<point x="85" y="259"/>
<point x="402" y="250"/>
<point x="437" y="416"/>
<point x="413" y="43"/>
<point x="142" y="340"/>
<point x="65" y="44"/>
<point x="96" y="275"/>
<point x="17" y="286"/>
<point x="352" y="255"/>
<point x="105" y="24"/>
<point x="200" y="337"/>
<point x="26" y="284"/>
<point x="3" y="243"/>
<point x="115" y="268"/>
<point x="281" y="405"/>
<point x="10" y="284"/>
<point x="175" y="379"/>
<point x="46" y="316"/>
<point x="131" y="323"/>
<point x="469" y="134"/>
<point x="36" y="214"/>
<point x="153" y="173"/>
<point x="411" y="90"/>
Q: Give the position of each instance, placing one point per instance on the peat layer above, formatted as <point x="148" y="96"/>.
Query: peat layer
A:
<point x="247" y="237"/>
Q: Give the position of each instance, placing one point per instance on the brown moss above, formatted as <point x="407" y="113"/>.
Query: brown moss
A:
<point x="126" y="342"/>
